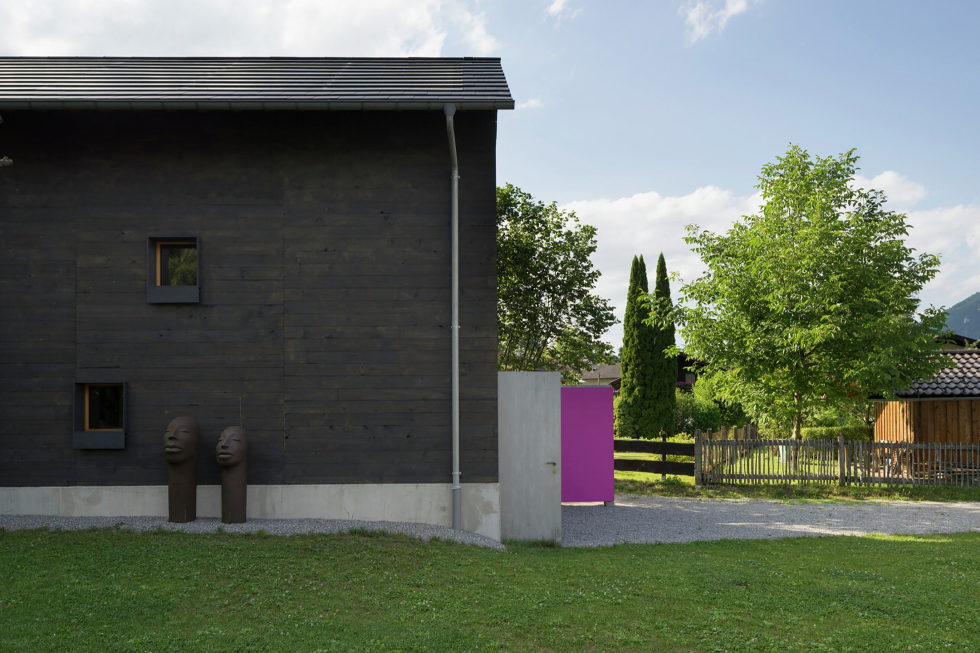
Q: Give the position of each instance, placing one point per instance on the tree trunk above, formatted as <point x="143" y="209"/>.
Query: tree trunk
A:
<point x="796" y="436"/>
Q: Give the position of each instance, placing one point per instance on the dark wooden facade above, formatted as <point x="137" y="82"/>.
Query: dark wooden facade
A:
<point x="324" y="291"/>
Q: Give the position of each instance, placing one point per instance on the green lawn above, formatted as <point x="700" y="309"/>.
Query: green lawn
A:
<point x="116" y="591"/>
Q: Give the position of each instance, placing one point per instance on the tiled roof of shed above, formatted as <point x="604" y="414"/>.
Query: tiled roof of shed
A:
<point x="290" y="83"/>
<point x="960" y="379"/>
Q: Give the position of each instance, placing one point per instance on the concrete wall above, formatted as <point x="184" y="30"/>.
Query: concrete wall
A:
<point x="428" y="503"/>
<point x="529" y="419"/>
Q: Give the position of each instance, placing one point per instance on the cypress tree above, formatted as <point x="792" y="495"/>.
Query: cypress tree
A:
<point x="635" y="408"/>
<point x="663" y="374"/>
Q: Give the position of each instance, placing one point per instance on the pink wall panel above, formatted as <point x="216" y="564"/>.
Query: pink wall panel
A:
<point x="587" y="443"/>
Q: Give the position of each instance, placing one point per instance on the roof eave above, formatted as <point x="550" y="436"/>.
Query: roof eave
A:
<point x="254" y="105"/>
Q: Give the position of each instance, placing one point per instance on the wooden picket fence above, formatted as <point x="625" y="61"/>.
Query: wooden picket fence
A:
<point x="752" y="460"/>
<point x="741" y="456"/>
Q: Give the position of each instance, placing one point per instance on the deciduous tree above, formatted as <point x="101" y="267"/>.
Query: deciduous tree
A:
<point x="548" y="315"/>
<point x="812" y="300"/>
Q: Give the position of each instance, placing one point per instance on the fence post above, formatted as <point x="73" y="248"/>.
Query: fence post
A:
<point x="663" y="453"/>
<point x="697" y="458"/>
<point x="841" y="460"/>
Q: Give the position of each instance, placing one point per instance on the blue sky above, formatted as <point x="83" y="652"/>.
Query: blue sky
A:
<point x="641" y="116"/>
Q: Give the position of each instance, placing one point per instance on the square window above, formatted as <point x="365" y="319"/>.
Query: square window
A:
<point x="172" y="270"/>
<point x="100" y="416"/>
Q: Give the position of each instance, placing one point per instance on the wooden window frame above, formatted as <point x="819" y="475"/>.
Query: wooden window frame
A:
<point x="157" y="256"/>
<point x="159" y="294"/>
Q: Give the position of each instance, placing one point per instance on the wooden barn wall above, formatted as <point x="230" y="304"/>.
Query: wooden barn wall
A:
<point x="934" y="420"/>
<point x="955" y="420"/>
<point x="895" y="422"/>
<point x="324" y="275"/>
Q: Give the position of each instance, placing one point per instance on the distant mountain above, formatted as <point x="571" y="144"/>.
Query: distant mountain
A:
<point x="964" y="318"/>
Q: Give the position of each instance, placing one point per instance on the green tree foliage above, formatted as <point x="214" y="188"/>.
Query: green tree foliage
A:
<point x="548" y="317"/>
<point x="663" y="361"/>
<point x="810" y="302"/>
<point x="634" y="409"/>
<point x="693" y="412"/>
<point x="183" y="267"/>
<point x="730" y="412"/>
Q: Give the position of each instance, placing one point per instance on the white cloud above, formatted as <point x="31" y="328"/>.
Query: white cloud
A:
<point x="900" y="190"/>
<point x="533" y="103"/>
<point x="953" y="233"/>
<point x="243" y="27"/>
<point x="706" y="16"/>
<point x="475" y="34"/>
<point x="560" y="9"/>
<point x="650" y="223"/>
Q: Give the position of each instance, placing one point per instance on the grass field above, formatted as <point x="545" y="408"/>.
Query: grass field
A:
<point x="116" y="591"/>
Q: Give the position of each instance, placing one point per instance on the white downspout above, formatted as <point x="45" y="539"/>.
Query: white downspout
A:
<point x="450" y="110"/>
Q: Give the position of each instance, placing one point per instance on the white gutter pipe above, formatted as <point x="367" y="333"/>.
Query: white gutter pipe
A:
<point x="450" y="110"/>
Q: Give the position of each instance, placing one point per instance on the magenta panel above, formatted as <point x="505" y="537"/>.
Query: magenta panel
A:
<point x="587" y="443"/>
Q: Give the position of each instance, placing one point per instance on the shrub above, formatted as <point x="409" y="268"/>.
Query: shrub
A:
<point x="851" y="433"/>
<point x="692" y="413"/>
<point x="730" y="412"/>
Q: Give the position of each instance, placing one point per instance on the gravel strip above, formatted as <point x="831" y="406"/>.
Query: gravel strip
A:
<point x="681" y="519"/>
<point x="269" y="526"/>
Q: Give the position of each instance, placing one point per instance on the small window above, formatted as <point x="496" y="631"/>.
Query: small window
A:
<point x="172" y="270"/>
<point x="100" y="416"/>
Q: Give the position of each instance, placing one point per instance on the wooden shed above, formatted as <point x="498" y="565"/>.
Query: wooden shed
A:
<point x="943" y="409"/>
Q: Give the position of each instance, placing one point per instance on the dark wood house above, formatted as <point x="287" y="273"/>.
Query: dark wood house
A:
<point x="265" y="241"/>
<point x="943" y="409"/>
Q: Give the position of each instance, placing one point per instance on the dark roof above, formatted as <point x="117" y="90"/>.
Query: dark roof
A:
<point x="323" y="83"/>
<point x="603" y="371"/>
<point x="960" y="379"/>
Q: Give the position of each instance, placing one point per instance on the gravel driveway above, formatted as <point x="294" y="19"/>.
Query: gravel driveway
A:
<point x="681" y="519"/>
<point x="632" y="519"/>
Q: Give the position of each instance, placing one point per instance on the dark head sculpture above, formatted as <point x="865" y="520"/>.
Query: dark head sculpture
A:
<point x="232" y="447"/>
<point x="232" y="454"/>
<point x="180" y="448"/>
<point x="180" y="440"/>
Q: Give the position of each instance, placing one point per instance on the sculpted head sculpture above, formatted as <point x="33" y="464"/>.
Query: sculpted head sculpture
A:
<point x="180" y="449"/>
<point x="232" y="447"/>
<point x="180" y="440"/>
<point x="232" y="454"/>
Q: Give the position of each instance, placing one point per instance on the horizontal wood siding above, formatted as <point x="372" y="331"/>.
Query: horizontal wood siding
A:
<point x="324" y="275"/>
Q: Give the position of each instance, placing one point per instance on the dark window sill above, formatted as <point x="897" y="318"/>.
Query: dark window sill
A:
<point x="98" y="440"/>
<point x="173" y="295"/>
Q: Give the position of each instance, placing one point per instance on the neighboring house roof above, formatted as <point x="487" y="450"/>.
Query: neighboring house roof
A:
<point x="603" y="372"/>
<point x="275" y="83"/>
<point x="954" y="340"/>
<point x="960" y="379"/>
